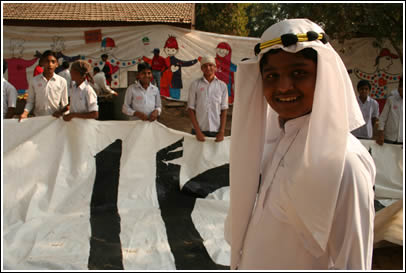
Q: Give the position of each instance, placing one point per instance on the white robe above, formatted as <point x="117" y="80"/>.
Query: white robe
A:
<point x="276" y="239"/>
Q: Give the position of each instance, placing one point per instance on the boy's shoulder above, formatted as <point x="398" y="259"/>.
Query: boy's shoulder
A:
<point x="223" y="84"/>
<point x="133" y="85"/>
<point x="37" y="77"/>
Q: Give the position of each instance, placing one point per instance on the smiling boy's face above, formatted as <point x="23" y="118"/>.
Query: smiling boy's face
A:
<point x="145" y="76"/>
<point x="289" y="81"/>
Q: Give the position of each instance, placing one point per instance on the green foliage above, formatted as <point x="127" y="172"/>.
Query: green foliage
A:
<point x="340" y="21"/>
<point x="227" y="18"/>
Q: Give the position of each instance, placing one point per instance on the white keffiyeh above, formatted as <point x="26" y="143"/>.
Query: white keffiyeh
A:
<point x="335" y="112"/>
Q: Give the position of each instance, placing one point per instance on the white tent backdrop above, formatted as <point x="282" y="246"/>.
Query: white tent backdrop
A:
<point x="126" y="45"/>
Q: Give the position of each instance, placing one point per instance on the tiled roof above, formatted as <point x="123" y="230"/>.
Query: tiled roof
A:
<point x="113" y="12"/>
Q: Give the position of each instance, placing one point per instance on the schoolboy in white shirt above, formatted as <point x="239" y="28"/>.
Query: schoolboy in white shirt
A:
<point x="9" y="96"/>
<point x="208" y="103"/>
<point x="83" y="99"/>
<point x="390" y="126"/>
<point x="48" y="93"/>
<point x="142" y="99"/>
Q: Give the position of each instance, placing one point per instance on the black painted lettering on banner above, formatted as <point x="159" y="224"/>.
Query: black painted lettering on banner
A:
<point x="105" y="245"/>
<point x="176" y="207"/>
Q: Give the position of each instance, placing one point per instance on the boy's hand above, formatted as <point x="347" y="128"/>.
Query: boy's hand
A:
<point x="220" y="136"/>
<point x="23" y="116"/>
<point x="200" y="136"/>
<point x="57" y="114"/>
<point x="68" y="117"/>
<point x="153" y="116"/>
<point x="141" y="116"/>
<point x="380" y="138"/>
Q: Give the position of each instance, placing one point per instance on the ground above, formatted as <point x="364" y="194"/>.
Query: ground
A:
<point x="174" y="115"/>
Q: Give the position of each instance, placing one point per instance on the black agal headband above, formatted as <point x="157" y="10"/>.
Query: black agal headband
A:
<point x="291" y="39"/>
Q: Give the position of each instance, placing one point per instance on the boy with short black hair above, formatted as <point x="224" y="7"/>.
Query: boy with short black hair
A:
<point x="142" y="99"/>
<point x="48" y="92"/>
<point x="369" y="108"/>
<point x="100" y="84"/>
<point x="107" y="68"/>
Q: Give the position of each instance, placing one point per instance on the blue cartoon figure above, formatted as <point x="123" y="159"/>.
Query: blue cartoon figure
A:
<point x="171" y="81"/>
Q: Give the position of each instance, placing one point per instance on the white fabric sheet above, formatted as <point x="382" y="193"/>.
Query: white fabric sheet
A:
<point x="48" y="173"/>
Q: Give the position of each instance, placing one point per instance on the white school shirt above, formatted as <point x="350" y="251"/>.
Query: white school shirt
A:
<point x="83" y="99"/>
<point x="208" y="99"/>
<point x="276" y="240"/>
<point x="47" y="97"/>
<point x="142" y="100"/>
<point x="9" y="96"/>
<point x="100" y="85"/>
<point x="66" y="75"/>
<point x="369" y="109"/>
<point x="391" y="119"/>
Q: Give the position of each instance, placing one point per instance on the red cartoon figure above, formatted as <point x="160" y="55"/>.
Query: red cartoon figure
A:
<point x="17" y="67"/>
<point x="171" y="81"/>
<point x="225" y="68"/>
<point x="380" y="78"/>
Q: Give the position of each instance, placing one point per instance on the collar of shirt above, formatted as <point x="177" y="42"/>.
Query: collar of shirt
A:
<point x="53" y="78"/>
<point x="206" y="81"/>
<point x="294" y="124"/>
<point x="139" y="85"/>
<point x="83" y="85"/>
<point x="367" y="100"/>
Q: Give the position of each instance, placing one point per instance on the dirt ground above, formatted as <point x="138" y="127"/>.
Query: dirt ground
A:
<point x="174" y="115"/>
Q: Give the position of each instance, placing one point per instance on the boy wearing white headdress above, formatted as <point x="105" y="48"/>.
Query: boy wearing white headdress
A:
<point x="208" y="103"/>
<point x="301" y="192"/>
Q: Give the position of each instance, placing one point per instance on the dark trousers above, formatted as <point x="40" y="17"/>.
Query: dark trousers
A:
<point x="206" y="133"/>
<point x="392" y="142"/>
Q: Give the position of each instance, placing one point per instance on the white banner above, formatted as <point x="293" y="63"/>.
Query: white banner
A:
<point x="65" y="184"/>
<point x="388" y="160"/>
<point x="133" y="195"/>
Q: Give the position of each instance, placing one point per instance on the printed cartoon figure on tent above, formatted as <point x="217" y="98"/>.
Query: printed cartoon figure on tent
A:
<point x="107" y="47"/>
<point x="225" y="68"/>
<point x="380" y="78"/>
<point x="17" y="67"/>
<point x="171" y="81"/>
